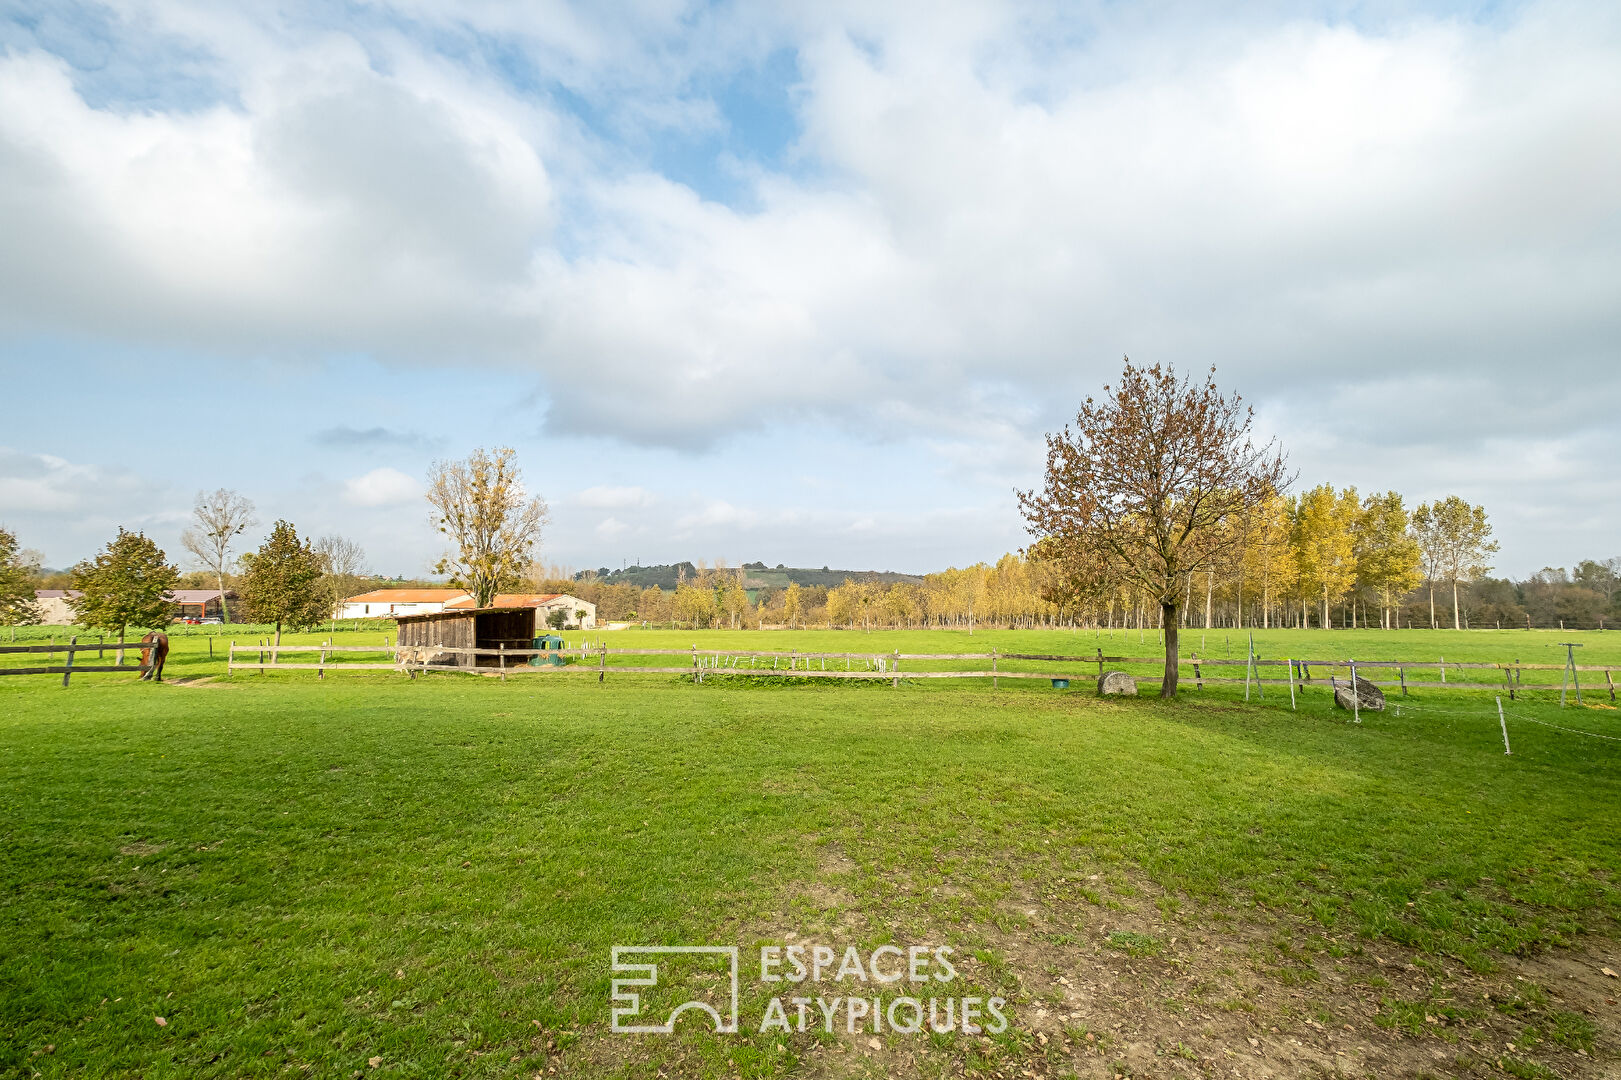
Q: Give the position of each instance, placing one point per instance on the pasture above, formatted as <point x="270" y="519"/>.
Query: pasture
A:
<point x="369" y="874"/>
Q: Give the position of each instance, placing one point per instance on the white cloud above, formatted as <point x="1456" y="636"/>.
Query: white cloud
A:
<point x="982" y="209"/>
<point x="611" y="528"/>
<point x="382" y="487"/>
<point x="70" y="508"/>
<point x="614" y="498"/>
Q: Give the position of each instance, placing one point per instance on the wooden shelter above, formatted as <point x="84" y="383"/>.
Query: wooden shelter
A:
<point x="422" y="636"/>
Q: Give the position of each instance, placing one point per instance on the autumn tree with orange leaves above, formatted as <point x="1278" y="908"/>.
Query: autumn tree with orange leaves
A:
<point x="1148" y="487"/>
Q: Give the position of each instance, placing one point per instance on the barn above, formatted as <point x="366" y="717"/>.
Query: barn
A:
<point x="422" y="636"/>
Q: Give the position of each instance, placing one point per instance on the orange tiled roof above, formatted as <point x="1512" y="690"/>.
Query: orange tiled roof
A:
<point x="510" y="600"/>
<point x="407" y="596"/>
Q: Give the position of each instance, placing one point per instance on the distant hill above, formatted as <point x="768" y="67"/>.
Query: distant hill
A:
<point x="756" y="575"/>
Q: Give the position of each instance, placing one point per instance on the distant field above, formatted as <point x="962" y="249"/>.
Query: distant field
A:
<point x="302" y="876"/>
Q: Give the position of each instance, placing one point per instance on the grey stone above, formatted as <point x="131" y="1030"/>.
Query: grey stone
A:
<point x="1369" y="697"/>
<point x="1116" y="682"/>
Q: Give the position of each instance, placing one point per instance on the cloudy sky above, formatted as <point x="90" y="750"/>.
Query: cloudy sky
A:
<point x="804" y="282"/>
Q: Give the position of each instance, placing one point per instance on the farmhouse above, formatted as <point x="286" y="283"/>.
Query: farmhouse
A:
<point x="196" y="604"/>
<point x="391" y="603"/>
<point x="53" y="606"/>
<point x="543" y="604"/>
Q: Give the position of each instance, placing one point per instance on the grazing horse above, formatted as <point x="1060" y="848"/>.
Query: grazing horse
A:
<point x="154" y="651"/>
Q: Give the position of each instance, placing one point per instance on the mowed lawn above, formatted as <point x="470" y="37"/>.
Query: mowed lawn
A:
<point x="307" y="875"/>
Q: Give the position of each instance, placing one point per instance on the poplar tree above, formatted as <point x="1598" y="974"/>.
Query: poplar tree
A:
<point x="1387" y="557"/>
<point x="1324" y="547"/>
<point x="1455" y="538"/>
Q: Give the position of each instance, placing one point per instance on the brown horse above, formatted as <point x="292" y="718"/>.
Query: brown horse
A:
<point x="154" y="651"/>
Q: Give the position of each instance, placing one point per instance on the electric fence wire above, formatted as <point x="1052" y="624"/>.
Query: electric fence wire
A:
<point x="1556" y="727"/>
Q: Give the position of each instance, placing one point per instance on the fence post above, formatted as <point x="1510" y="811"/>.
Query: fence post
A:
<point x="896" y="685"/>
<point x="1443" y="669"/>
<point x="1401" y="673"/>
<point x="230" y="659"/>
<point x="1291" y="664"/>
<point x="67" y="670"/>
<point x="1504" y="724"/>
<point x="995" y="682"/>
<point x="210" y="647"/>
<point x="320" y="665"/>
<point x="1611" y="681"/>
<point x="696" y="678"/>
<point x="602" y="662"/>
<point x="1100" y="662"/>
<point x="501" y="659"/>
<point x="1198" y="676"/>
<point x="1356" y="696"/>
<point x="1508" y="679"/>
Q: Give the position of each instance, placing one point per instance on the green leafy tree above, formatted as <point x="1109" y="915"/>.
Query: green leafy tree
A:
<point x="17" y="572"/>
<point x="127" y="584"/>
<point x="283" y="582"/>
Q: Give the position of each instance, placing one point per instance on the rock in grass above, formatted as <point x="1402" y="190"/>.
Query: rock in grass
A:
<point x="1368" y="695"/>
<point x="1116" y="682"/>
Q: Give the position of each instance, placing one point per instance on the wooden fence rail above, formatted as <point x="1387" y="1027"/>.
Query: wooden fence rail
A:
<point x="701" y="663"/>
<point x="69" y="669"/>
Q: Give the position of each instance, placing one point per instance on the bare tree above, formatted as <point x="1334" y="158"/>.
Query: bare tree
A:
<point x="1147" y="487"/>
<point x="482" y="506"/>
<point x="345" y="565"/>
<point x="220" y="519"/>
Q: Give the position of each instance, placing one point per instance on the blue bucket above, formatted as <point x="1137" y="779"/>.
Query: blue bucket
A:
<point x="1060" y="684"/>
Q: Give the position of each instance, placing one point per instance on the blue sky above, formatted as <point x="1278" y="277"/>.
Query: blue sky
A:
<point x="804" y="283"/>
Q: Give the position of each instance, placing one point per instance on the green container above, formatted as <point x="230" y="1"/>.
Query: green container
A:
<point x="552" y="644"/>
<point x="1060" y="684"/>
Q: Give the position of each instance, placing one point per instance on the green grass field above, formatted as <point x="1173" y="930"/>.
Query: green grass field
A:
<point x="303" y="877"/>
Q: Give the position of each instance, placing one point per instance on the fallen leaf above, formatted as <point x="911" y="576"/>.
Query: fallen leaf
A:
<point x="160" y="1021"/>
<point x="374" y="1062"/>
<point x="875" y="1044"/>
<point x="1610" y="973"/>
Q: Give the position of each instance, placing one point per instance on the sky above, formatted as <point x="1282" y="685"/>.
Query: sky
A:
<point x="800" y="283"/>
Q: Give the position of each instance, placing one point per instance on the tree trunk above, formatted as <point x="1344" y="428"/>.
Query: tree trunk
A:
<point x="225" y="612"/>
<point x="275" y="657"/>
<point x="1325" y="606"/>
<point x="1456" y="625"/>
<point x="1209" y="588"/>
<point x="1168" y="614"/>
<point x="1432" y="605"/>
<point x="122" y="633"/>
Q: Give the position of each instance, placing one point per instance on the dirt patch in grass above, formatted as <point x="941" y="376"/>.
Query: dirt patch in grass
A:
<point x="1126" y="985"/>
<point x="142" y="849"/>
